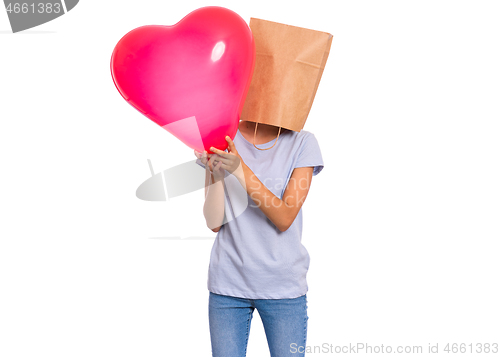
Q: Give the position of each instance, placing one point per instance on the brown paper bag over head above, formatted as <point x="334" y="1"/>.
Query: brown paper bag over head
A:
<point x="289" y="63"/>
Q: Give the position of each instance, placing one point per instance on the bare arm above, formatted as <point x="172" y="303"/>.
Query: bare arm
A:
<point x="282" y="212"/>
<point x="213" y="208"/>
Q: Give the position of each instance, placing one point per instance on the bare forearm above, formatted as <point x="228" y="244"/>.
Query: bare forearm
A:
<point x="278" y="212"/>
<point x="213" y="209"/>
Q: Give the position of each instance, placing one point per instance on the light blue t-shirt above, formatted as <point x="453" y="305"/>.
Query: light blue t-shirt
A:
<point x="251" y="258"/>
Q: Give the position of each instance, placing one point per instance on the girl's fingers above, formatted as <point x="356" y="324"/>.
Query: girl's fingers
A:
<point x="230" y="143"/>
<point x="220" y="158"/>
<point x="219" y="152"/>
<point x="223" y="159"/>
<point x="216" y="158"/>
<point x="212" y="159"/>
<point x="211" y="162"/>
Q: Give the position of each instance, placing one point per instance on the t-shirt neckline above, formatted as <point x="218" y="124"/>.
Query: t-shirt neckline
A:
<point x="262" y="146"/>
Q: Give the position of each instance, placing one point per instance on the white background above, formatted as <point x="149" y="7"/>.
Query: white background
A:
<point x="402" y="225"/>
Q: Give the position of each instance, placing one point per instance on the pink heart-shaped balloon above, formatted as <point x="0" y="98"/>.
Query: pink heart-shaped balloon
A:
<point x="190" y="78"/>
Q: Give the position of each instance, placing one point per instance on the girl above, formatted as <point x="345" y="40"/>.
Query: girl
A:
<point x="258" y="260"/>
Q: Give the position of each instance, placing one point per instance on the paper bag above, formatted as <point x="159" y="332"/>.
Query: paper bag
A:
<point x="289" y="63"/>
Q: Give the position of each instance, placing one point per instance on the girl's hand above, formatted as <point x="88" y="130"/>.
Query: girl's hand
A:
<point x="212" y="163"/>
<point x="230" y="160"/>
<point x="202" y="156"/>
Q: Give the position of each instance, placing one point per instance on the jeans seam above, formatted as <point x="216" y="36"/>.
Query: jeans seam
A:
<point x="305" y="325"/>
<point x="248" y="325"/>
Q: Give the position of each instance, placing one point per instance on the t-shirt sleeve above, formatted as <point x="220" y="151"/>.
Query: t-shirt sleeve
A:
<point x="310" y="154"/>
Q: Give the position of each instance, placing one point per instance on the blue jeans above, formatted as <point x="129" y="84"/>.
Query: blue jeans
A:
<point x="285" y="324"/>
